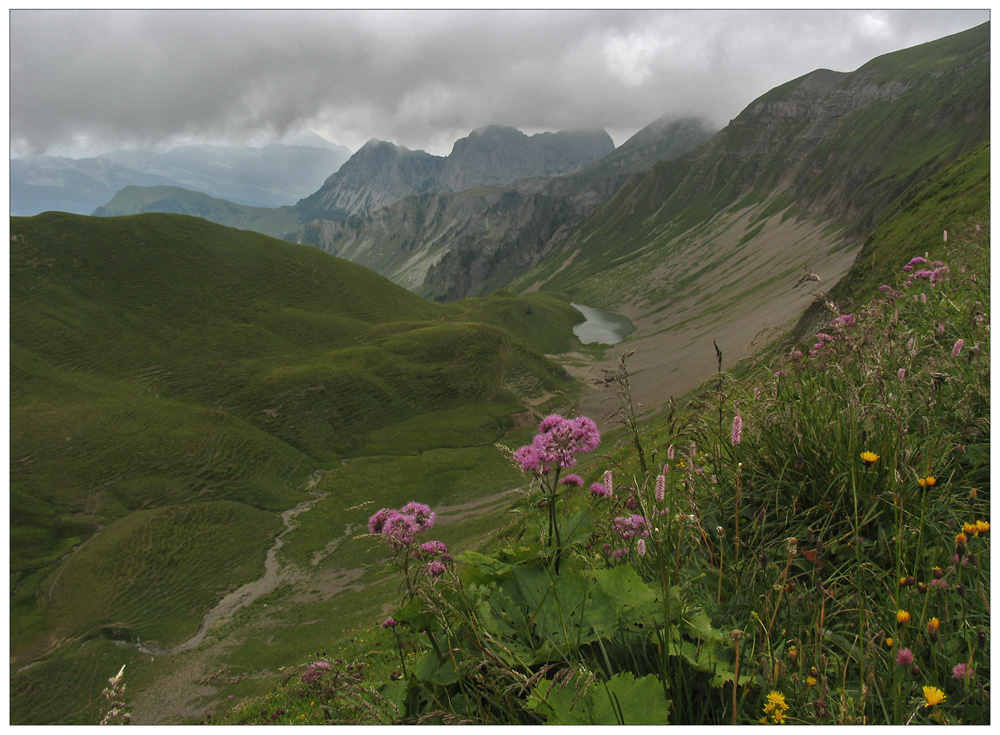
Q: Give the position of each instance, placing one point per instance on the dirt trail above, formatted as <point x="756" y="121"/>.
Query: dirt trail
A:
<point x="274" y="576"/>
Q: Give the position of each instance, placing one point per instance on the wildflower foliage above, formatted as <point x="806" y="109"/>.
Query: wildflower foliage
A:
<point x="829" y="509"/>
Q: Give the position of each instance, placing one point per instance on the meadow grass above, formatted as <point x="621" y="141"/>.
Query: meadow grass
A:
<point x="164" y="365"/>
<point x="807" y="543"/>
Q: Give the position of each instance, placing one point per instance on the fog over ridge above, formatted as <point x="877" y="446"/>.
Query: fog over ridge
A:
<point x="100" y="80"/>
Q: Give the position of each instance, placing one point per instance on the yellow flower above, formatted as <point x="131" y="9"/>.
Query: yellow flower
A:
<point x="932" y="625"/>
<point x="902" y="616"/>
<point x="961" y="539"/>
<point x="776" y="707"/>
<point x="970" y="528"/>
<point x="888" y="642"/>
<point x="927" y="481"/>
<point x="933" y="695"/>
<point x="869" y="457"/>
<point x="982" y="526"/>
<point x="811" y="681"/>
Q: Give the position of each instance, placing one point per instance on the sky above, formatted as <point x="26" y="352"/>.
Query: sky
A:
<point x="82" y="82"/>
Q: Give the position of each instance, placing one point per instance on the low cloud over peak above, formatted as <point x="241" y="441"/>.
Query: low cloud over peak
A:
<point x="113" y="79"/>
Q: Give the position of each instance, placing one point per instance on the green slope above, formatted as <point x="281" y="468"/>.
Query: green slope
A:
<point x="273" y="221"/>
<point x="837" y="149"/>
<point x="956" y="197"/>
<point x="161" y="363"/>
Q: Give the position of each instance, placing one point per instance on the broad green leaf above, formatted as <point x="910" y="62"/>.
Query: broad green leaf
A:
<point x="576" y="528"/>
<point x="432" y="671"/>
<point x="485" y="564"/>
<point x="622" y="700"/>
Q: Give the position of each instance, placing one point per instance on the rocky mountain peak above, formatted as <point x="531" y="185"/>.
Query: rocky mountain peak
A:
<point x="381" y="173"/>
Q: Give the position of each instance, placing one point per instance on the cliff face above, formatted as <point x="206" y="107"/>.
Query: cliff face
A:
<point x="382" y="173"/>
<point x="497" y="155"/>
<point x="500" y="202"/>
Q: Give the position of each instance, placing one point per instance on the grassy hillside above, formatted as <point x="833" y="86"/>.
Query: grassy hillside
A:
<point x="947" y="202"/>
<point x="835" y="149"/>
<point x="805" y="541"/>
<point x="276" y="222"/>
<point x="162" y="365"/>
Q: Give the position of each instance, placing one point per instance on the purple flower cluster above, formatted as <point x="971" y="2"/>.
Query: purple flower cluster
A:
<point x="599" y="490"/>
<point x="435" y="548"/>
<point x="557" y="443"/>
<point x="634" y="525"/>
<point x="435" y="569"/>
<point x="400" y="527"/>
<point x="939" y="273"/>
<point x="315" y="671"/>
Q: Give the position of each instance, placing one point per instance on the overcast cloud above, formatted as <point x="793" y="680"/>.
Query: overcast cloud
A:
<point x="114" y="79"/>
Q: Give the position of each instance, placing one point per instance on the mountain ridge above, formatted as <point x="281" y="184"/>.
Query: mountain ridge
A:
<point x="381" y="173"/>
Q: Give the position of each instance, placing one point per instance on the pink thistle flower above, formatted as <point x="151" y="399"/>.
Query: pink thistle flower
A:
<point x="737" y="432"/>
<point x="904" y="657"/>
<point x="907" y="268"/>
<point x="574" y="480"/>
<point x="634" y="525"/>
<point x="661" y="488"/>
<point x="962" y="671"/>
<point x="421" y="514"/>
<point x="377" y="522"/>
<point x="390" y="622"/>
<point x="598" y="490"/>
<point x="550" y="422"/>
<point x="557" y="442"/>
<point x="957" y="348"/>
<point x="400" y="529"/>
<point x="433" y="548"/>
<point x="528" y="458"/>
<point x="315" y="671"/>
<point x="435" y="569"/>
<point x="917" y="260"/>
<point x="618" y="553"/>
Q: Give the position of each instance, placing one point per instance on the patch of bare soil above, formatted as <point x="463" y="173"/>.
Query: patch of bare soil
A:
<point x="674" y="350"/>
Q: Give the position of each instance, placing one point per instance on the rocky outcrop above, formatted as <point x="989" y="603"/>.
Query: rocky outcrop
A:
<point x="382" y="173"/>
<point x="497" y="155"/>
<point x="508" y="211"/>
<point x="662" y="140"/>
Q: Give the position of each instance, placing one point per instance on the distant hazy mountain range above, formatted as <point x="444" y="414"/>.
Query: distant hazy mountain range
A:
<point x="272" y="176"/>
